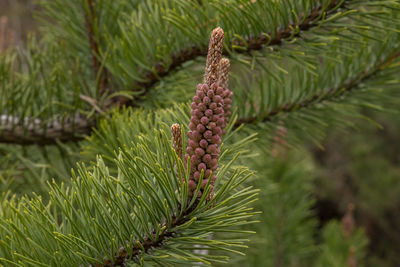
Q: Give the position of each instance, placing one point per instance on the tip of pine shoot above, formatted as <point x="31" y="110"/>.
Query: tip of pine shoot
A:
<point x="214" y="56"/>
<point x="217" y="34"/>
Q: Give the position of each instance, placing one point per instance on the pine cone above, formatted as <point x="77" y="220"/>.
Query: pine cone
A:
<point x="205" y="133"/>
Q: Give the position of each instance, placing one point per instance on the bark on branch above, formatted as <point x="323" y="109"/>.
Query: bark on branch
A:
<point x="30" y="131"/>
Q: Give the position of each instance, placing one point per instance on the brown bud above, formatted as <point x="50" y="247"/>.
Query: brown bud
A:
<point x="348" y="223"/>
<point x="214" y="56"/>
<point x="223" y="72"/>
<point x="177" y="139"/>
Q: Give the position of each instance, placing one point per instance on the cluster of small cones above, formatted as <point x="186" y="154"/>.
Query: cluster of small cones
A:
<point x="210" y="113"/>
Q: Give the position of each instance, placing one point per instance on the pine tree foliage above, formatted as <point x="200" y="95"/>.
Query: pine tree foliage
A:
<point x="113" y="220"/>
<point x="288" y="233"/>
<point x="303" y="65"/>
<point x="27" y="169"/>
<point x="286" y="229"/>
<point x="339" y="251"/>
<point x="152" y="43"/>
<point x="359" y="170"/>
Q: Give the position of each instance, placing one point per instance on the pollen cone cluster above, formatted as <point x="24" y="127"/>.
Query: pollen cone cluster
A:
<point x="210" y="111"/>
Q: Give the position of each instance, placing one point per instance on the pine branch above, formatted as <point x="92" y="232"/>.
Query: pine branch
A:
<point x="12" y="134"/>
<point x="35" y="131"/>
<point x="138" y="216"/>
<point x="211" y="78"/>
<point x="251" y="44"/>
<point x="332" y="93"/>
<point x="148" y="243"/>
<point x="26" y="136"/>
<point x="315" y="17"/>
<point x="94" y="49"/>
<point x="154" y="212"/>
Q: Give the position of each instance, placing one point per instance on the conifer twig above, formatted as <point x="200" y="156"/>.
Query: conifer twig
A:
<point x="148" y="244"/>
<point x="204" y="138"/>
<point x="332" y="93"/>
<point x="29" y="131"/>
<point x="17" y="134"/>
<point x="94" y="49"/>
<point x="252" y="44"/>
<point x="93" y="103"/>
<point x="8" y="134"/>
